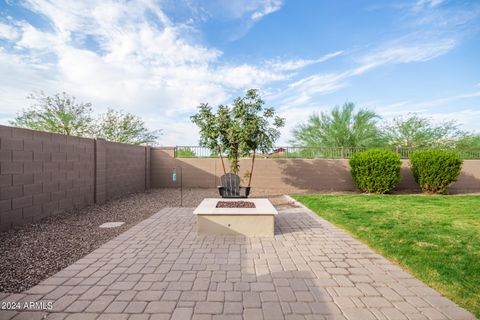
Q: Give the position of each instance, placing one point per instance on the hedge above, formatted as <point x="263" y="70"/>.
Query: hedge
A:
<point x="375" y="170"/>
<point x="435" y="170"/>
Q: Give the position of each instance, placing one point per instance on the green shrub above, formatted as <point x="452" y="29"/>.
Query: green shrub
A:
<point x="435" y="170"/>
<point x="375" y="171"/>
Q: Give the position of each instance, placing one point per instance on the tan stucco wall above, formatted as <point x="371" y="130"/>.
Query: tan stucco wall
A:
<point x="285" y="175"/>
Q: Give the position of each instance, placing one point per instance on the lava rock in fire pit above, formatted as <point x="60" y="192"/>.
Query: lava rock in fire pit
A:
<point x="235" y="204"/>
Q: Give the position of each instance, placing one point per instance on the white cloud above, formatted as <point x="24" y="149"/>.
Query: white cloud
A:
<point x="141" y="64"/>
<point x="252" y="10"/>
<point x="8" y="32"/>
<point x="403" y="50"/>
<point x="438" y="109"/>
<point x="131" y="56"/>
<point x="295" y="116"/>
<point x="422" y="4"/>
<point x="267" y="7"/>
<point x="455" y="18"/>
<point x="468" y="118"/>
<point x="320" y="83"/>
<point x="304" y="92"/>
<point x="245" y="75"/>
<point x="175" y="133"/>
<point x="245" y="13"/>
<point x="19" y="77"/>
<point x="291" y="65"/>
<point x="31" y="38"/>
<point x="428" y="105"/>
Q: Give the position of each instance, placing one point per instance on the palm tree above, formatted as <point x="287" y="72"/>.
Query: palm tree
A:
<point x="340" y="128"/>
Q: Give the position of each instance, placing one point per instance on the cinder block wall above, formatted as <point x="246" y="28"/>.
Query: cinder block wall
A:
<point x="43" y="173"/>
<point x="126" y="166"/>
<point x="285" y="175"/>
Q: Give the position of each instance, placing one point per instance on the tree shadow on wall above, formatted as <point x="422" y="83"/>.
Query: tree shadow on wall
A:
<point x="407" y="182"/>
<point x="322" y="175"/>
<point x="466" y="183"/>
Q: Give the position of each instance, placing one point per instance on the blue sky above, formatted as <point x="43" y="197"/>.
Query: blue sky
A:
<point x="160" y="59"/>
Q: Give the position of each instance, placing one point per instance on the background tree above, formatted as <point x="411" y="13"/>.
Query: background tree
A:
<point x="414" y="131"/>
<point x="185" y="152"/>
<point x="122" y="127"/>
<point x="341" y="127"/>
<point x="59" y="113"/>
<point x="240" y="130"/>
<point x="469" y="142"/>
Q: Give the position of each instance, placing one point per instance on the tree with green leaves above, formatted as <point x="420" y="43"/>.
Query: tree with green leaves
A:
<point x="469" y="142"/>
<point x="117" y="126"/>
<point x="341" y="127"/>
<point x="240" y="130"/>
<point x="414" y="131"/>
<point x="185" y="152"/>
<point x="59" y="113"/>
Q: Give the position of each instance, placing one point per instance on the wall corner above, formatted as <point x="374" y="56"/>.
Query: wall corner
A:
<point x="100" y="181"/>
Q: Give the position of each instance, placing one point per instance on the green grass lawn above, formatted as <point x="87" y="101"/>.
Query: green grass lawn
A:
<point x="436" y="238"/>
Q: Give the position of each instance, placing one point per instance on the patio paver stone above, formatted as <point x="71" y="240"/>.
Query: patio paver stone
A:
<point x="161" y="269"/>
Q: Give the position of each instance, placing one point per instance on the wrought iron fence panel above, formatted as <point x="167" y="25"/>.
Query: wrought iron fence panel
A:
<point x="309" y="152"/>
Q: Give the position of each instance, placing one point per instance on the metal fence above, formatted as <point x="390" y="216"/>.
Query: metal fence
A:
<point x="308" y="153"/>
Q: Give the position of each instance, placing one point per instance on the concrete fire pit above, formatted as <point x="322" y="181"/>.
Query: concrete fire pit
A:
<point x="257" y="221"/>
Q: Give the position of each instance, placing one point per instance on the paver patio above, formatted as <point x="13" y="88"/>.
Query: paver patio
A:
<point x="160" y="269"/>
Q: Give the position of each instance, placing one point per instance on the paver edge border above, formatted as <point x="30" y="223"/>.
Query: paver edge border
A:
<point x="318" y="218"/>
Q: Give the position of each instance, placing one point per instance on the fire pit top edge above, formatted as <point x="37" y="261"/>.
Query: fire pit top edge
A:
<point x="263" y="206"/>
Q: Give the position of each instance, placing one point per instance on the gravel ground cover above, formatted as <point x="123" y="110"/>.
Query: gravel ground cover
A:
<point x="34" y="252"/>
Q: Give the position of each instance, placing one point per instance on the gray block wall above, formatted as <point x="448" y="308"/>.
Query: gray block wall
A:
<point x="126" y="167"/>
<point x="43" y="173"/>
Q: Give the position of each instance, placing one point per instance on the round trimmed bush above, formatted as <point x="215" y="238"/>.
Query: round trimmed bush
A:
<point x="435" y="170"/>
<point x="375" y="171"/>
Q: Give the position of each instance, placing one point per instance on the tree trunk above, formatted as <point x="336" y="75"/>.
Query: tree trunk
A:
<point x="234" y="165"/>
<point x="221" y="158"/>
<point x="251" y="170"/>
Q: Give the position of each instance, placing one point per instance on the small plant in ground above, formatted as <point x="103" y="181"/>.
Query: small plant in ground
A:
<point x="375" y="171"/>
<point x="435" y="170"/>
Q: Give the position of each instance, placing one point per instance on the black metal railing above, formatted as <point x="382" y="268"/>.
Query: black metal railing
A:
<point x="194" y="152"/>
<point x="309" y="152"/>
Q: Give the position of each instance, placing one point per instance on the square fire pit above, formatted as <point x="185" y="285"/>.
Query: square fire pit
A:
<point x="256" y="221"/>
